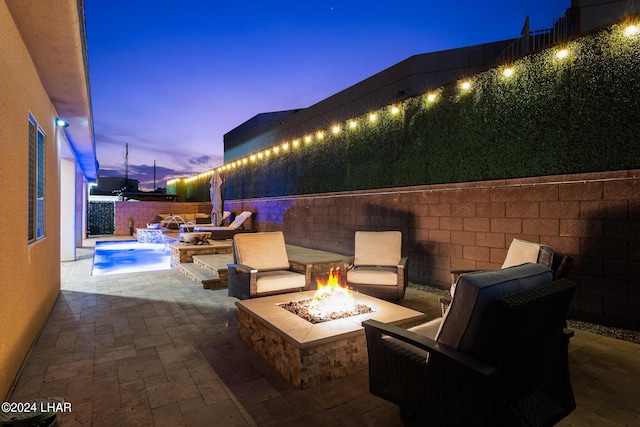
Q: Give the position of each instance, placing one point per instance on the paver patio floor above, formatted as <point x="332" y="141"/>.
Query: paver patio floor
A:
<point x="155" y="349"/>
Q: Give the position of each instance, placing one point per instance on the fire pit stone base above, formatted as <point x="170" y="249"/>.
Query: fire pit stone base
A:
<point x="309" y="354"/>
<point x="307" y="367"/>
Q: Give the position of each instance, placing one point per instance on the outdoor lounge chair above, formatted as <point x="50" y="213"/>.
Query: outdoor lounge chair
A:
<point x="499" y="356"/>
<point x="261" y="267"/>
<point x="520" y="252"/>
<point x="223" y="233"/>
<point x="379" y="270"/>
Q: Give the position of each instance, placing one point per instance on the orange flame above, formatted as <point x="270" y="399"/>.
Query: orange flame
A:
<point x="331" y="297"/>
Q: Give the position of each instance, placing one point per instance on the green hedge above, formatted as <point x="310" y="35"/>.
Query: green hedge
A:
<point x="552" y="116"/>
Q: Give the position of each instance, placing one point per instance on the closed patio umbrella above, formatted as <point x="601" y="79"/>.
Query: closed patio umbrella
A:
<point x="216" y="198"/>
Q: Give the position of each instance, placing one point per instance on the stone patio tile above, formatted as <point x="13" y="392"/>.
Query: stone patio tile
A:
<point x="116" y="353"/>
<point x="151" y="341"/>
<point x="132" y="391"/>
<point x="68" y="370"/>
<point x="81" y="415"/>
<point x="105" y="370"/>
<point x="140" y="370"/>
<point x="54" y="388"/>
<point x="173" y="355"/>
<point x="168" y="416"/>
<point x="213" y="392"/>
<point x="84" y="389"/>
<point x="161" y="394"/>
<point x="308" y="414"/>
<point x="196" y="413"/>
<point x="384" y="416"/>
<point x="255" y="391"/>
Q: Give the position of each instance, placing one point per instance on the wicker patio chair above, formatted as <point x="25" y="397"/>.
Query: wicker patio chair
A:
<point x="519" y="252"/>
<point x="560" y="266"/>
<point x="378" y="268"/>
<point x="515" y="372"/>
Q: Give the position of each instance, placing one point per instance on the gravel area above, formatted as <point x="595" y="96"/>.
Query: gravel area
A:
<point x="607" y="331"/>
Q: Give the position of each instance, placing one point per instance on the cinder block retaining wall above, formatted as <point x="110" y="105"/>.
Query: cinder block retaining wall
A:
<point x="141" y="213"/>
<point x="593" y="217"/>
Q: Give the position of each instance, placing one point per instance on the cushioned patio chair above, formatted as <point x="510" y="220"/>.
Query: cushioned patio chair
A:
<point x="497" y="358"/>
<point x="261" y="267"/>
<point x="520" y="252"/>
<point x="378" y="270"/>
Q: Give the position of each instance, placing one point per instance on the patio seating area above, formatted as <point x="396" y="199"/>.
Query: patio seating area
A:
<point x="156" y="349"/>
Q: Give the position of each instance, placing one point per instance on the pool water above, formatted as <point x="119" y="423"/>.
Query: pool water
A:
<point x="130" y="256"/>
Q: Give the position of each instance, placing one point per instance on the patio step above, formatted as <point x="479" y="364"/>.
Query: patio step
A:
<point x="215" y="264"/>
<point x="199" y="275"/>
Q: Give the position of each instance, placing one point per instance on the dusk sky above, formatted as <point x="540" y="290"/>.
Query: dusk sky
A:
<point x="171" y="78"/>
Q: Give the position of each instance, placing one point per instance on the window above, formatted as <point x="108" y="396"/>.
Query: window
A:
<point x="36" y="181"/>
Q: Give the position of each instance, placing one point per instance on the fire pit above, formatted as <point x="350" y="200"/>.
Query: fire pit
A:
<point x="331" y="301"/>
<point x="307" y="353"/>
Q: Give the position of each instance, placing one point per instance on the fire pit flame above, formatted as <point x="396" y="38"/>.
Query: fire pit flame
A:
<point x="331" y="299"/>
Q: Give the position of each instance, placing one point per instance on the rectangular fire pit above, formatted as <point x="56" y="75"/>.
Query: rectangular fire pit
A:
<point x="310" y="354"/>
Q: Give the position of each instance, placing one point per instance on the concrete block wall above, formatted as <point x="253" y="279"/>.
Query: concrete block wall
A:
<point x="595" y="218"/>
<point x="142" y="213"/>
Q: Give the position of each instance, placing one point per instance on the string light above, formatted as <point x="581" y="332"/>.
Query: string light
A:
<point x="431" y="97"/>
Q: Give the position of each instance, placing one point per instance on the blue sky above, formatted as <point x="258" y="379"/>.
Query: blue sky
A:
<point x="171" y="78"/>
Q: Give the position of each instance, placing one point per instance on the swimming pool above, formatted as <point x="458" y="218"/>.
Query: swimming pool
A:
<point x="130" y="256"/>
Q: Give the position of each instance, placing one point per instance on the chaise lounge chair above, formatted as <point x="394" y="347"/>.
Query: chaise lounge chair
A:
<point x="223" y="233"/>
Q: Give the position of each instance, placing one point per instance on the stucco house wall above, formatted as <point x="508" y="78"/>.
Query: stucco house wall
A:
<point x="43" y="76"/>
<point x="30" y="273"/>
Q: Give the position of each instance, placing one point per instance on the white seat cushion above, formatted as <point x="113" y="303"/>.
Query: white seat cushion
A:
<point x="373" y="276"/>
<point x="271" y="281"/>
<point x="240" y="219"/>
